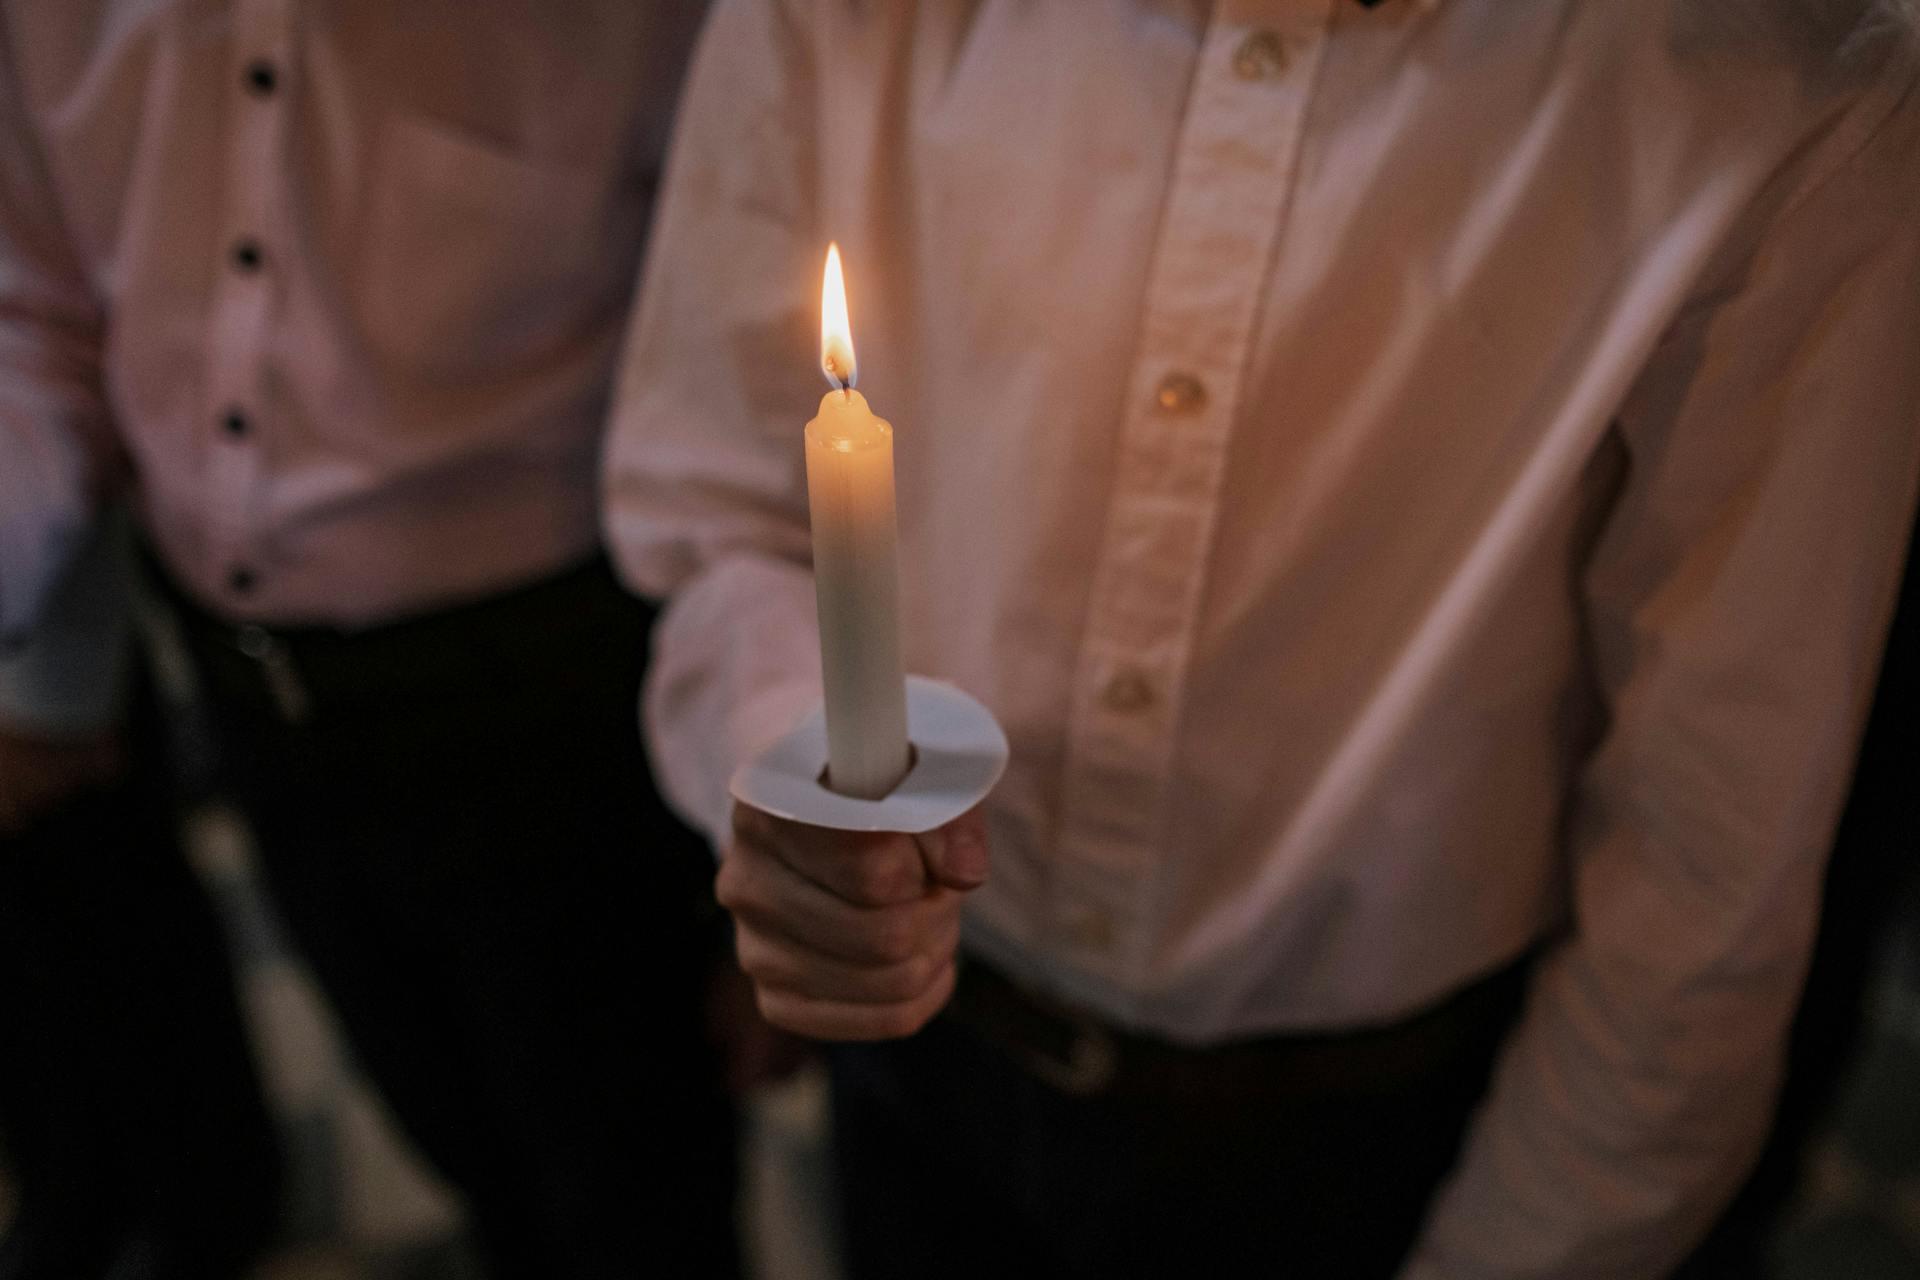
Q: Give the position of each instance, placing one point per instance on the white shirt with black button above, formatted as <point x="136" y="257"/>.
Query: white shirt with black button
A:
<point x="333" y="292"/>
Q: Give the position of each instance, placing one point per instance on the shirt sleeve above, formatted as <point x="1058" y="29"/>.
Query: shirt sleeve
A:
<point x="1736" y="600"/>
<point x="69" y="678"/>
<point x="53" y="436"/>
<point x="704" y="478"/>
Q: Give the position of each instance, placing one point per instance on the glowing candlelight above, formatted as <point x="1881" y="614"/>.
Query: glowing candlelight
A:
<point x="856" y="581"/>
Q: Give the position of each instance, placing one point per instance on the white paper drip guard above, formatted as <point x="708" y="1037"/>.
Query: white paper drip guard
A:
<point x="959" y="752"/>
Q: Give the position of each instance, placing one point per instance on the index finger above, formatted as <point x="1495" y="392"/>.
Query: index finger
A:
<point x="864" y="868"/>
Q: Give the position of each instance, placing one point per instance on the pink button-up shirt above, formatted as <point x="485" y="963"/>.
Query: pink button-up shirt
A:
<point x="345" y="282"/>
<point x="1415" y="482"/>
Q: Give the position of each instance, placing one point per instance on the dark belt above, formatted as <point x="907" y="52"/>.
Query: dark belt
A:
<point x="291" y="673"/>
<point x="1078" y="1054"/>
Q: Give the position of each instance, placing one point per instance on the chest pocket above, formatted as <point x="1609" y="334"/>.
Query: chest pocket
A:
<point x="479" y="264"/>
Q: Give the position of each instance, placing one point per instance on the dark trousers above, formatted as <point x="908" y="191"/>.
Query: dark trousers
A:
<point x="457" y="822"/>
<point x="129" y="1109"/>
<point x="1293" y="1157"/>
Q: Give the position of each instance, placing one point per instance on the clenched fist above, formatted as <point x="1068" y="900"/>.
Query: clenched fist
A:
<point x="849" y="936"/>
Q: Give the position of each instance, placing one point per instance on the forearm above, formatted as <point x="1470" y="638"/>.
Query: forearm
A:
<point x="1736" y="604"/>
<point x="705" y="495"/>
<point x="1625" y="1111"/>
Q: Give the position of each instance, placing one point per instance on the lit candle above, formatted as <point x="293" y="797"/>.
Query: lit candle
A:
<point x="856" y="582"/>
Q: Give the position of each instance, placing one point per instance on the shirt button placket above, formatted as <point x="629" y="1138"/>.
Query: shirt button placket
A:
<point x="243" y="303"/>
<point x="1223" y="212"/>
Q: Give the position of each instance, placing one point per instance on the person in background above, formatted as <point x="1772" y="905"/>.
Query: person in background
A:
<point x="1423" y="486"/>
<point x="131" y="1120"/>
<point x="344" y="285"/>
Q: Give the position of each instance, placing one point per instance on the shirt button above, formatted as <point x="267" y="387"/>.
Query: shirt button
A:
<point x="234" y="423"/>
<point x="241" y="579"/>
<point x="1127" y="692"/>
<point x="261" y="78"/>
<point x="1181" y="393"/>
<point x="247" y="256"/>
<point x="1261" y="56"/>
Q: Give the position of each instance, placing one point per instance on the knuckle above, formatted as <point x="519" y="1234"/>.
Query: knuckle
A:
<point x="728" y="887"/>
<point x="890" y="1022"/>
<point x="781" y="1013"/>
<point x="879" y="879"/>
<point x="898" y="981"/>
<point x="902" y="1020"/>
<point x="895" y="939"/>
<point x="919" y="973"/>
<point x="748" y="950"/>
<point x="934" y="928"/>
<point x="757" y="970"/>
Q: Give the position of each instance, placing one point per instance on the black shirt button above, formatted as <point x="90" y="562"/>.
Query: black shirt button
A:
<point x="241" y="579"/>
<point x="247" y="256"/>
<point x="261" y="78"/>
<point x="235" y="423"/>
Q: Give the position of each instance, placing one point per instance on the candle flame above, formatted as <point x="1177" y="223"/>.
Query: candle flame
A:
<point x="836" y="332"/>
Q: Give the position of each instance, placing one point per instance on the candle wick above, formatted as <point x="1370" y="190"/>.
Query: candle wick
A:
<point x="832" y="367"/>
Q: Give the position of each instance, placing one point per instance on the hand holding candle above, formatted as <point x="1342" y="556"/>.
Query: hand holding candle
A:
<point x="848" y="935"/>
<point x="856" y="579"/>
<point x="846" y="898"/>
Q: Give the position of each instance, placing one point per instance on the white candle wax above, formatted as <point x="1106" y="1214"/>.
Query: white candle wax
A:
<point x="856" y="581"/>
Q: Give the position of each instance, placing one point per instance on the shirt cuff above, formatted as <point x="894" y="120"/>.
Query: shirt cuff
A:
<point x="736" y="663"/>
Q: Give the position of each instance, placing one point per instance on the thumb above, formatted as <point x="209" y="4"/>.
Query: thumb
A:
<point x="956" y="854"/>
